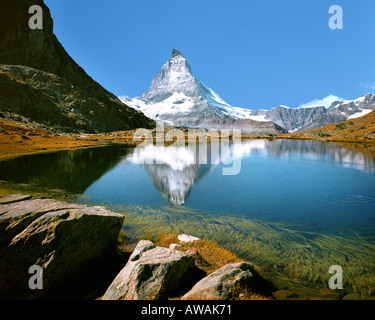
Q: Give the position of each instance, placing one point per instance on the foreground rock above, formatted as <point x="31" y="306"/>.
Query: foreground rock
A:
<point x="225" y="283"/>
<point x="154" y="273"/>
<point x="60" y="237"/>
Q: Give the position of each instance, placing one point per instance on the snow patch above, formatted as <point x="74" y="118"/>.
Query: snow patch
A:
<point x="359" y="114"/>
<point x="177" y="103"/>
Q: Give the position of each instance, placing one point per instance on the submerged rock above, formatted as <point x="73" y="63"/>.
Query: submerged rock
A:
<point x="223" y="284"/>
<point x="62" y="238"/>
<point x="154" y="273"/>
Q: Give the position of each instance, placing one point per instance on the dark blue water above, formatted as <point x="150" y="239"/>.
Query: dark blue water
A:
<point x="312" y="185"/>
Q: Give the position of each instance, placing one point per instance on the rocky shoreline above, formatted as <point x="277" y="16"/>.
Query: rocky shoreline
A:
<point x="81" y="255"/>
<point x="69" y="241"/>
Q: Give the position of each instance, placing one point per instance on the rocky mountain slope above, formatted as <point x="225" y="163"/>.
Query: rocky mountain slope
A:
<point x="344" y="110"/>
<point x="301" y="119"/>
<point x="360" y="129"/>
<point x="39" y="80"/>
<point x="177" y="98"/>
<point x="291" y="119"/>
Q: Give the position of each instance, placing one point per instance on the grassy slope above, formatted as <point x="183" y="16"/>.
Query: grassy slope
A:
<point x="355" y="130"/>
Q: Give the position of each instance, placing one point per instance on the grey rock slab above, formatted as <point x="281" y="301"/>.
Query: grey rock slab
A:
<point x="223" y="283"/>
<point x="62" y="238"/>
<point x="159" y="273"/>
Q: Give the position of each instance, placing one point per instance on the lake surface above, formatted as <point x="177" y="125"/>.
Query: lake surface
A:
<point x="314" y="185"/>
<point x="323" y="191"/>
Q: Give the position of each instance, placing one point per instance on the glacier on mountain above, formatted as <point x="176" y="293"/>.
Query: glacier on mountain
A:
<point x="177" y="98"/>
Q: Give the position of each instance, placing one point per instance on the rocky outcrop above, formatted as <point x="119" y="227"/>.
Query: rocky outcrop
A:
<point x="293" y="119"/>
<point x="69" y="242"/>
<point x="39" y="80"/>
<point x="223" y="284"/>
<point x="154" y="273"/>
<point x="62" y="238"/>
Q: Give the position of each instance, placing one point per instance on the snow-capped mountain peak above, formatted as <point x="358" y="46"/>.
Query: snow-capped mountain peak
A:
<point x="177" y="98"/>
<point x="175" y="76"/>
<point x="176" y="53"/>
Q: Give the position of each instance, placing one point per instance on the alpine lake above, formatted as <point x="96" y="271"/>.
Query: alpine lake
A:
<point x="293" y="207"/>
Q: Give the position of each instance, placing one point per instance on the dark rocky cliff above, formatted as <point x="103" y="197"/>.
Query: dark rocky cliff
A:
<point x="46" y="85"/>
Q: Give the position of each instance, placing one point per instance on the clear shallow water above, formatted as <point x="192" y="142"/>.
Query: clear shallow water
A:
<point x="314" y="186"/>
<point x="295" y="208"/>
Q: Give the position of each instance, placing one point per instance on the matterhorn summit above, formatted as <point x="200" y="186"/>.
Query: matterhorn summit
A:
<point x="177" y="98"/>
<point x="173" y="78"/>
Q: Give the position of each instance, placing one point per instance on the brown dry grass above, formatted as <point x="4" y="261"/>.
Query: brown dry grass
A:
<point x="355" y="130"/>
<point x="214" y="256"/>
<point x="211" y="252"/>
<point x="16" y="139"/>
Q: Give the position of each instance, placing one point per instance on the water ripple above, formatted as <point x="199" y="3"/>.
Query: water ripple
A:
<point x="352" y="198"/>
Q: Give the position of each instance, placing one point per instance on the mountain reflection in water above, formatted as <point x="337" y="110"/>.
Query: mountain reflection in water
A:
<point x="173" y="170"/>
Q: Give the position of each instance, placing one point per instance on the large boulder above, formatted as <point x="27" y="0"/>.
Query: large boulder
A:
<point x="224" y="283"/>
<point x="154" y="273"/>
<point x="62" y="238"/>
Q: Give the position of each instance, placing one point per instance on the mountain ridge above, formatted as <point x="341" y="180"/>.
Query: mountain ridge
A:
<point x="177" y="98"/>
<point x="361" y="129"/>
<point x="37" y="54"/>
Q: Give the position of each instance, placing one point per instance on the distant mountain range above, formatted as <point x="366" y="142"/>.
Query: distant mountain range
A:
<point x="40" y="82"/>
<point x="360" y="129"/>
<point x="177" y="98"/>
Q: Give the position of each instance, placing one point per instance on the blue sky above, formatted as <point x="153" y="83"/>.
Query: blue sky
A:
<point x="254" y="54"/>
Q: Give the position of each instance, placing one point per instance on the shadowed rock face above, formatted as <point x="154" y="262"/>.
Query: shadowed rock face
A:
<point x="37" y="75"/>
<point x="64" y="239"/>
<point x="292" y="119"/>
